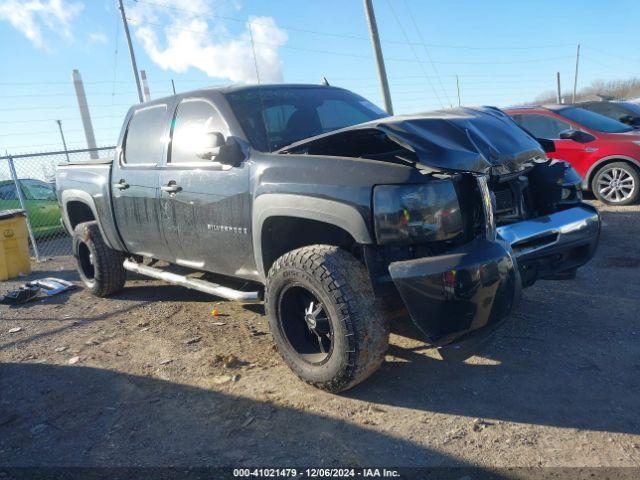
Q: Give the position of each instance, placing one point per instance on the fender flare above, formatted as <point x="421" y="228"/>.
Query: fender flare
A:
<point x="73" y="195"/>
<point x="586" y="182"/>
<point x="333" y="212"/>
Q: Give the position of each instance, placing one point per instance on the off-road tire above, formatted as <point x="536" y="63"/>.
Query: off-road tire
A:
<point x="100" y="267"/>
<point x="360" y="329"/>
<point x="631" y="173"/>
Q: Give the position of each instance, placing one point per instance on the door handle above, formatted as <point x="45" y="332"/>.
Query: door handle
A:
<point x="171" y="188"/>
<point x="121" y="185"/>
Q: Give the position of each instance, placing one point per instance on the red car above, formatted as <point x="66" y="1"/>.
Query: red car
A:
<point x="604" y="151"/>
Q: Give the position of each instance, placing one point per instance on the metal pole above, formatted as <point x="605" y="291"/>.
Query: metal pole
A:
<point x="575" y="80"/>
<point x="458" y="85"/>
<point x="14" y="176"/>
<point x="559" y="94"/>
<point x="131" y="53"/>
<point x="375" y="41"/>
<point x="145" y="86"/>
<point x="84" y="114"/>
<point x="64" y="144"/>
<point x="173" y="85"/>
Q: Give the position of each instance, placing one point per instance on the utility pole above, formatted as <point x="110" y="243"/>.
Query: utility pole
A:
<point x="375" y="41"/>
<point x="458" y="86"/>
<point x="64" y="144"/>
<point x="84" y="114"/>
<point x="145" y="86"/>
<point x="575" y="80"/>
<point x="131" y="53"/>
<point x="559" y="94"/>
<point x="173" y="85"/>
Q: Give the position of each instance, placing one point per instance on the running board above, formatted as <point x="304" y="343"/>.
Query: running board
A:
<point x="193" y="283"/>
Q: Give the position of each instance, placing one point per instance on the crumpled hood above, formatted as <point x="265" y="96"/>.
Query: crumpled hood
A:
<point x="479" y="140"/>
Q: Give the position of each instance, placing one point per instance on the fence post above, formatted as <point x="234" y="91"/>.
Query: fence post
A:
<point x="23" y="205"/>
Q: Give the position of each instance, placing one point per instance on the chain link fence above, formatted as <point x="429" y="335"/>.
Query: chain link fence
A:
<point x="28" y="182"/>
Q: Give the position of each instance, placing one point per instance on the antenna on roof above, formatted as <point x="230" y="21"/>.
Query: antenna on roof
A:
<point x="324" y="82"/>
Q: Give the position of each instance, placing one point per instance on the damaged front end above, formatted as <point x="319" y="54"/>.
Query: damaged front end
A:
<point x="492" y="215"/>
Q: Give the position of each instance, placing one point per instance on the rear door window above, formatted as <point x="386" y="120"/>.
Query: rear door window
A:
<point x="145" y="140"/>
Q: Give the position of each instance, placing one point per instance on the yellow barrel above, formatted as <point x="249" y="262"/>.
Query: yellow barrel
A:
<point x="14" y="244"/>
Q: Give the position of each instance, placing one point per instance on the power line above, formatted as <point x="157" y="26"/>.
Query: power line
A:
<point x="200" y="14"/>
<point x="415" y="25"/>
<point x="404" y="33"/>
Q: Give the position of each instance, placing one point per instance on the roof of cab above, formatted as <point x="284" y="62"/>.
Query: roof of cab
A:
<point x="225" y="89"/>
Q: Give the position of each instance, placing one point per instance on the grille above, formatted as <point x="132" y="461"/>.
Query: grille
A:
<point x="504" y="200"/>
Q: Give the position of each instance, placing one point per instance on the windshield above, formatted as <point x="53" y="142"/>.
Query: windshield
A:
<point x="594" y="121"/>
<point x="38" y="190"/>
<point x="274" y="117"/>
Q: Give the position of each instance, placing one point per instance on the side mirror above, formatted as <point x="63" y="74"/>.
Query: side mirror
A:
<point x="547" y="145"/>
<point x="211" y="145"/>
<point x="576" y="135"/>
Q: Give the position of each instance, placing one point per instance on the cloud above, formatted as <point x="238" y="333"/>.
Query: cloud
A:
<point x="188" y="41"/>
<point x="98" y="37"/>
<point x="31" y="17"/>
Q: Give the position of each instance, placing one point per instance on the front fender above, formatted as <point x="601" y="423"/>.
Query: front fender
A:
<point x="311" y="208"/>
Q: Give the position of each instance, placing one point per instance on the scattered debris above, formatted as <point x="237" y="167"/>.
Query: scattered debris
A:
<point x="227" y="361"/>
<point x="73" y="360"/>
<point x="15" y="329"/>
<point x="454" y="435"/>
<point x="218" y="324"/>
<point x="215" y="312"/>
<point x="480" y="424"/>
<point x="166" y="361"/>
<point x="43" y="288"/>
<point x="60" y="349"/>
<point x="193" y="340"/>
<point x="92" y="341"/>
<point x="247" y="422"/>
<point x="219" y="380"/>
<point x="143" y="324"/>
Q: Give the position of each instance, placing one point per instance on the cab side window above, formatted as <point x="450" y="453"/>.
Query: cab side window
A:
<point x="193" y="121"/>
<point x="145" y="139"/>
<point x="541" y="126"/>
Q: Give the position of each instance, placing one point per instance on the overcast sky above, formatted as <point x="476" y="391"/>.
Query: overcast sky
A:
<point x="503" y="51"/>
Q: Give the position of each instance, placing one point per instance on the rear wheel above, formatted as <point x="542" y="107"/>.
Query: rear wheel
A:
<point x="100" y="267"/>
<point x="616" y="183"/>
<point x="324" y="318"/>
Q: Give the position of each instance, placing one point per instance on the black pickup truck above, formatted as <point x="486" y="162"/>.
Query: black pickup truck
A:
<point x="314" y="200"/>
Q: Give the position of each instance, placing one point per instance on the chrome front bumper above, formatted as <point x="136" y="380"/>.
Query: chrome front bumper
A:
<point x="554" y="243"/>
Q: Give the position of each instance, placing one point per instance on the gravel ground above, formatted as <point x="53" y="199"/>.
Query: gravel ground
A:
<point x="150" y="378"/>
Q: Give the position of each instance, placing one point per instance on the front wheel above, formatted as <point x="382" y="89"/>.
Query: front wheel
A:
<point x="616" y="183"/>
<point x="324" y="318"/>
<point x="100" y="267"/>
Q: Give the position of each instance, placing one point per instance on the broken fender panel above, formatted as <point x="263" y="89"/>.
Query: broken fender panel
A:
<point x="479" y="140"/>
<point x="461" y="294"/>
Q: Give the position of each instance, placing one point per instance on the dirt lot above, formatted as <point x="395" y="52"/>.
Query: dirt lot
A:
<point x="559" y="386"/>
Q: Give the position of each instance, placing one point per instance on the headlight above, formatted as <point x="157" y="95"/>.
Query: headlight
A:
<point x="417" y="213"/>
